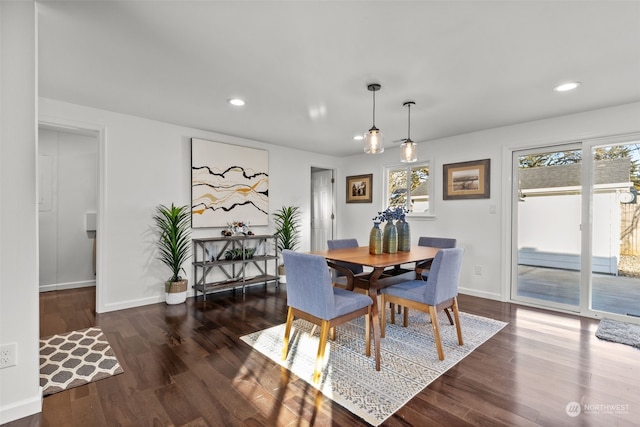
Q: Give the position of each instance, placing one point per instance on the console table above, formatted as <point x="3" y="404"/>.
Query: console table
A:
<point x="238" y="261"/>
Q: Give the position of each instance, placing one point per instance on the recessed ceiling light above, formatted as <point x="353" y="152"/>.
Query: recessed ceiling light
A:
<point x="358" y="137"/>
<point x="566" y="86"/>
<point x="236" y="101"/>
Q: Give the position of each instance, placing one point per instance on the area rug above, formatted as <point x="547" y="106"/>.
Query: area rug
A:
<point x="620" y="332"/>
<point x="409" y="360"/>
<point x="75" y="358"/>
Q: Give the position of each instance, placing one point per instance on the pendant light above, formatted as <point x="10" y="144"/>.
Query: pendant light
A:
<point x="408" y="148"/>
<point x="373" y="140"/>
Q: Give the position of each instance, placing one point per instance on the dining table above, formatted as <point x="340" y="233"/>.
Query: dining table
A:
<point x="386" y="270"/>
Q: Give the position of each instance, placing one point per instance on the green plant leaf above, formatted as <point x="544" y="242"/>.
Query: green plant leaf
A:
<point x="174" y="243"/>
<point x="287" y="221"/>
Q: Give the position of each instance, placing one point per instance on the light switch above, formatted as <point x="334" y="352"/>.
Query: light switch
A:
<point x="90" y="221"/>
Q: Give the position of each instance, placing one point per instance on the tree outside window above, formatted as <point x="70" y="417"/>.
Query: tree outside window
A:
<point x="408" y="187"/>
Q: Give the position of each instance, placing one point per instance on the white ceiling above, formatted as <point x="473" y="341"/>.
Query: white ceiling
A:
<point x="303" y="66"/>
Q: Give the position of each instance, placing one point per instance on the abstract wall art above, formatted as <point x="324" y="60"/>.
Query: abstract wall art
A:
<point x="228" y="183"/>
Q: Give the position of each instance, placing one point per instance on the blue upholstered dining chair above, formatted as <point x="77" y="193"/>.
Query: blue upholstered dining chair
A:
<point x="356" y="269"/>
<point x="312" y="296"/>
<point x="440" y="291"/>
<point x="434" y="242"/>
<point x="422" y="269"/>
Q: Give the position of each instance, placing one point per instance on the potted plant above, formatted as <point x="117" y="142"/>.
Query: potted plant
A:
<point x="287" y="220"/>
<point x="174" y="244"/>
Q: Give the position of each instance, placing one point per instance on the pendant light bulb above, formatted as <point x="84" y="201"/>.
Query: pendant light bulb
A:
<point x="373" y="139"/>
<point x="408" y="152"/>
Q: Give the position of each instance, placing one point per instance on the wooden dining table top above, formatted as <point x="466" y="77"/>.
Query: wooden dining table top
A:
<point x="361" y="256"/>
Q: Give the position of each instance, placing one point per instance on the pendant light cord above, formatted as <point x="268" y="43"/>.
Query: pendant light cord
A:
<point x="374" y="108"/>
<point x="408" y="104"/>
<point x="409" y="125"/>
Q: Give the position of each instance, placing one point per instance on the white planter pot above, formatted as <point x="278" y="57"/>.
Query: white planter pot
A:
<point x="179" y="294"/>
<point x="175" y="297"/>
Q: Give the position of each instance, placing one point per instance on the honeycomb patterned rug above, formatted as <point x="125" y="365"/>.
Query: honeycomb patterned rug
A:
<point x="74" y="359"/>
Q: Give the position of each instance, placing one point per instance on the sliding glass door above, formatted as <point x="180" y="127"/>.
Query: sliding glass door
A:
<point x="576" y="227"/>
<point x="547" y="216"/>
<point x="615" y="230"/>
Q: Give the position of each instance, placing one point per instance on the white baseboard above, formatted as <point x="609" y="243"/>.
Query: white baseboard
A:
<point x="480" y="294"/>
<point x="24" y="408"/>
<point x="68" y="285"/>
<point x="130" y="304"/>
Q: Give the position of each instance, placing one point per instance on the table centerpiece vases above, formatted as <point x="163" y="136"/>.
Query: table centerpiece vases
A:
<point x="390" y="238"/>
<point x="391" y="234"/>
<point x="404" y="234"/>
<point x="375" y="239"/>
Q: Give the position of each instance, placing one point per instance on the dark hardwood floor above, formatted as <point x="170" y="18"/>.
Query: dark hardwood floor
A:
<point x="186" y="366"/>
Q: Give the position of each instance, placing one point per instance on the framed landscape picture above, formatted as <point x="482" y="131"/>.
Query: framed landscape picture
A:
<point x="466" y="180"/>
<point x="359" y="188"/>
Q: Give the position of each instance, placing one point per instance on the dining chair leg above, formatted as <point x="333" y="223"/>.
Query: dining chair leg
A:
<point x="393" y="312"/>
<point x="446" y="310"/>
<point x="332" y="334"/>
<point x="367" y="331"/>
<point x="456" y="314"/>
<point x="287" y="332"/>
<point x="405" y="317"/>
<point x="383" y="320"/>
<point x="324" y="334"/>
<point x="376" y="334"/>
<point x="436" y="331"/>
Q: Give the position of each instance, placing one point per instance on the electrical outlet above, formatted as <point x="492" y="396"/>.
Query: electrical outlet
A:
<point x="8" y="355"/>
<point x="478" y="270"/>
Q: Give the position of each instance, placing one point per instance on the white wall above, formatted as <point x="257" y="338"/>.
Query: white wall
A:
<point x="146" y="163"/>
<point x="67" y="186"/>
<point x="486" y="236"/>
<point x="20" y="393"/>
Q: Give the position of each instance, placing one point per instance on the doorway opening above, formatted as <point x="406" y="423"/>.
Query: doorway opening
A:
<point x="322" y="207"/>
<point x="67" y="207"/>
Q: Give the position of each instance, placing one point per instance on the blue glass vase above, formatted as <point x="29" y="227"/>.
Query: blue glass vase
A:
<point x="390" y="238"/>
<point x="375" y="239"/>
<point x="404" y="236"/>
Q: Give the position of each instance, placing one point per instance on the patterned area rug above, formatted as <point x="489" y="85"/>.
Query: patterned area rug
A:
<point x="75" y="358"/>
<point x="620" y="332"/>
<point x="409" y="360"/>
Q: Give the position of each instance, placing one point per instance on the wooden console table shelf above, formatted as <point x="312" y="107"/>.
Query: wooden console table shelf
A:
<point x="256" y="254"/>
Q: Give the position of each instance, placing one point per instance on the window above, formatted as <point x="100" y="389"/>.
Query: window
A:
<point x="409" y="186"/>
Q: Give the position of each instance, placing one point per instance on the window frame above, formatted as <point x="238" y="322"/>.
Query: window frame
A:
<point x="430" y="214"/>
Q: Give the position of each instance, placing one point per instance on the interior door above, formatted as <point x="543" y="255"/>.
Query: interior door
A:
<point x="321" y="208"/>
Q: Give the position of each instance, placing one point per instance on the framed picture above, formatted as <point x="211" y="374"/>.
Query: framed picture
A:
<point x="228" y="183"/>
<point x="466" y="180"/>
<point x="359" y="188"/>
